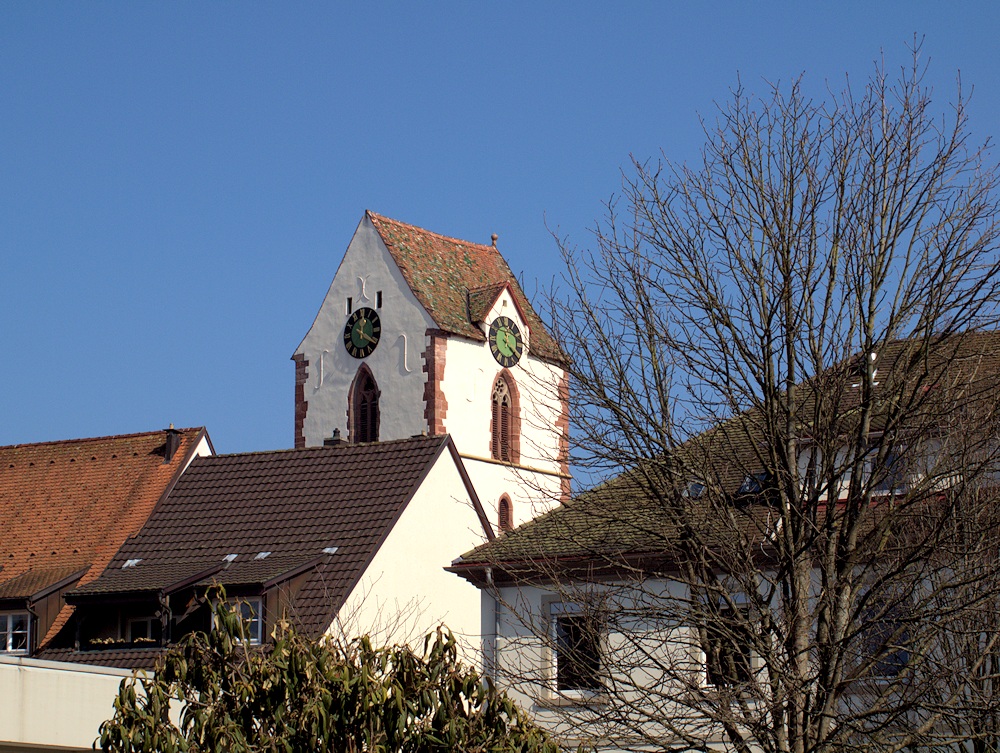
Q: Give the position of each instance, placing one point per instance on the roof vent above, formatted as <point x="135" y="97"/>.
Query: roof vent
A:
<point x="262" y="555"/>
<point x="330" y="550"/>
<point x="131" y="563"/>
<point x="230" y="557"/>
<point x="334" y="440"/>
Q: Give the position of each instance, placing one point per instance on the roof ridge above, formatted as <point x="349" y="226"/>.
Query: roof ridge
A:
<point x="105" y="438"/>
<point x="341" y="446"/>
<point x="377" y="216"/>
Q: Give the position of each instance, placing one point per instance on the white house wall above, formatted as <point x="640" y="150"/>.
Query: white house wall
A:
<point x="523" y="662"/>
<point x="405" y="592"/>
<point x="396" y="363"/>
<point x="32" y="690"/>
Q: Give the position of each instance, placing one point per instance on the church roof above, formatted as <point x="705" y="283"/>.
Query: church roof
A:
<point x="444" y="273"/>
<point x="318" y="512"/>
<point x="69" y="505"/>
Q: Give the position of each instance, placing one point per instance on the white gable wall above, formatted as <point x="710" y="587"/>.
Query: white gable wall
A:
<point x="396" y="363"/>
<point x="405" y="592"/>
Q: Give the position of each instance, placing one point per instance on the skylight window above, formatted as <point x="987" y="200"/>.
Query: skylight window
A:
<point x="694" y="490"/>
<point x="131" y="563"/>
<point x="230" y="557"/>
<point x="262" y="555"/>
<point x="754" y="483"/>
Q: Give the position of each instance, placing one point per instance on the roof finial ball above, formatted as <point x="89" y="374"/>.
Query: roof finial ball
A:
<point x="494" y="239"/>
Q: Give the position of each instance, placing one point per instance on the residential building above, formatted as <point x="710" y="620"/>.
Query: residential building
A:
<point x="690" y="600"/>
<point x="68" y="507"/>
<point x="336" y="540"/>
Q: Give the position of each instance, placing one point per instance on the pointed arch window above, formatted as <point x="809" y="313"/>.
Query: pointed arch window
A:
<point x="364" y="407"/>
<point x="505" y="514"/>
<point x="504" y="440"/>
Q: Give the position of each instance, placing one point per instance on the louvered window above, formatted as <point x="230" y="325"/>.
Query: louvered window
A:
<point x="502" y="421"/>
<point x="505" y="515"/>
<point x="365" y="409"/>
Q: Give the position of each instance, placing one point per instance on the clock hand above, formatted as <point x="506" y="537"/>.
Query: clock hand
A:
<point x="365" y="336"/>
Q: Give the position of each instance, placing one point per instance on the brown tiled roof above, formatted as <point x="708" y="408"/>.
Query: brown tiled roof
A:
<point x="69" y="505"/>
<point x="621" y="519"/>
<point x="122" y="658"/>
<point x="441" y="272"/>
<point x="291" y="503"/>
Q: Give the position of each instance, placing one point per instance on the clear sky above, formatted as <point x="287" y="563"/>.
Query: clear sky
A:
<point x="178" y="181"/>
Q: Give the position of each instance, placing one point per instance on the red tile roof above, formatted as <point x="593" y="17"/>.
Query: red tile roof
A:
<point x="442" y="271"/>
<point x="69" y="505"/>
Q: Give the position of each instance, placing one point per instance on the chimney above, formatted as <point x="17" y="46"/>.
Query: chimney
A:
<point x="335" y="440"/>
<point x="173" y="444"/>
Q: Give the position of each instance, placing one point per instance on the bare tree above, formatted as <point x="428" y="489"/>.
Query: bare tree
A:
<point x="785" y="362"/>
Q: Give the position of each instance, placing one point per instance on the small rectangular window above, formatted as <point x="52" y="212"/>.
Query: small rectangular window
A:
<point x="251" y="610"/>
<point x="576" y="649"/>
<point x="885" y="637"/>
<point x="350" y="306"/>
<point x="378" y="300"/>
<point x="728" y="647"/>
<point x="14" y="632"/>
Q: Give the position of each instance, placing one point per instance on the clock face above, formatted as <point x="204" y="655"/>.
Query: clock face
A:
<point x="362" y="332"/>
<point x="505" y="341"/>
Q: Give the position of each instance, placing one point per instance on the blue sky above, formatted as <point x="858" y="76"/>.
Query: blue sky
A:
<point x="178" y="181"/>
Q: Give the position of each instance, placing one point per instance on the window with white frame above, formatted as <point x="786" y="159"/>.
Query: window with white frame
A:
<point x="144" y="630"/>
<point x="14" y="632"/>
<point x="576" y="647"/>
<point x="251" y="610"/>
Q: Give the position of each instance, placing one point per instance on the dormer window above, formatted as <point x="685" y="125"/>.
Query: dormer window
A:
<point x="14" y="632"/>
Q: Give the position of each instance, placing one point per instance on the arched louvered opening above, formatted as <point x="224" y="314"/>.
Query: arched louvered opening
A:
<point x="364" y="407"/>
<point x="503" y="421"/>
<point x="505" y="515"/>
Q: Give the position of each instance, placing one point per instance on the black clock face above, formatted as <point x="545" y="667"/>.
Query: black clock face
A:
<point x="505" y="342"/>
<point x="362" y="332"/>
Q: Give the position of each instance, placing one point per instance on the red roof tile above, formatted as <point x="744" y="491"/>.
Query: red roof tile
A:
<point x="442" y="271"/>
<point x="69" y="505"/>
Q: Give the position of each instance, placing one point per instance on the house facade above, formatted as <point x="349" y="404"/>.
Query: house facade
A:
<point x="332" y="539"/>
<point x="68" y="506"/>
<point x="695" y="599"/>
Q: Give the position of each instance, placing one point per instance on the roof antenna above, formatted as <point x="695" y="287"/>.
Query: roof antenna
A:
<point x="494" y="239"/>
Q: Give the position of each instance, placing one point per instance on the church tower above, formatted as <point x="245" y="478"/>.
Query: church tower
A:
<point x="422" y="333"/>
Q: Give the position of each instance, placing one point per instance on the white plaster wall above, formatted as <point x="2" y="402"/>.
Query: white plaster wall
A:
<point x="469" y="375"/>
<point x="396" y="364"/>
<point x="54" y="705"/>
<point x="405" y="592"/>
<point x="524" y="662"/>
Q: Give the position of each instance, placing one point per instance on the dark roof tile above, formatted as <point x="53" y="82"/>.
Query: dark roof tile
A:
<point x="292" y="503"/>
